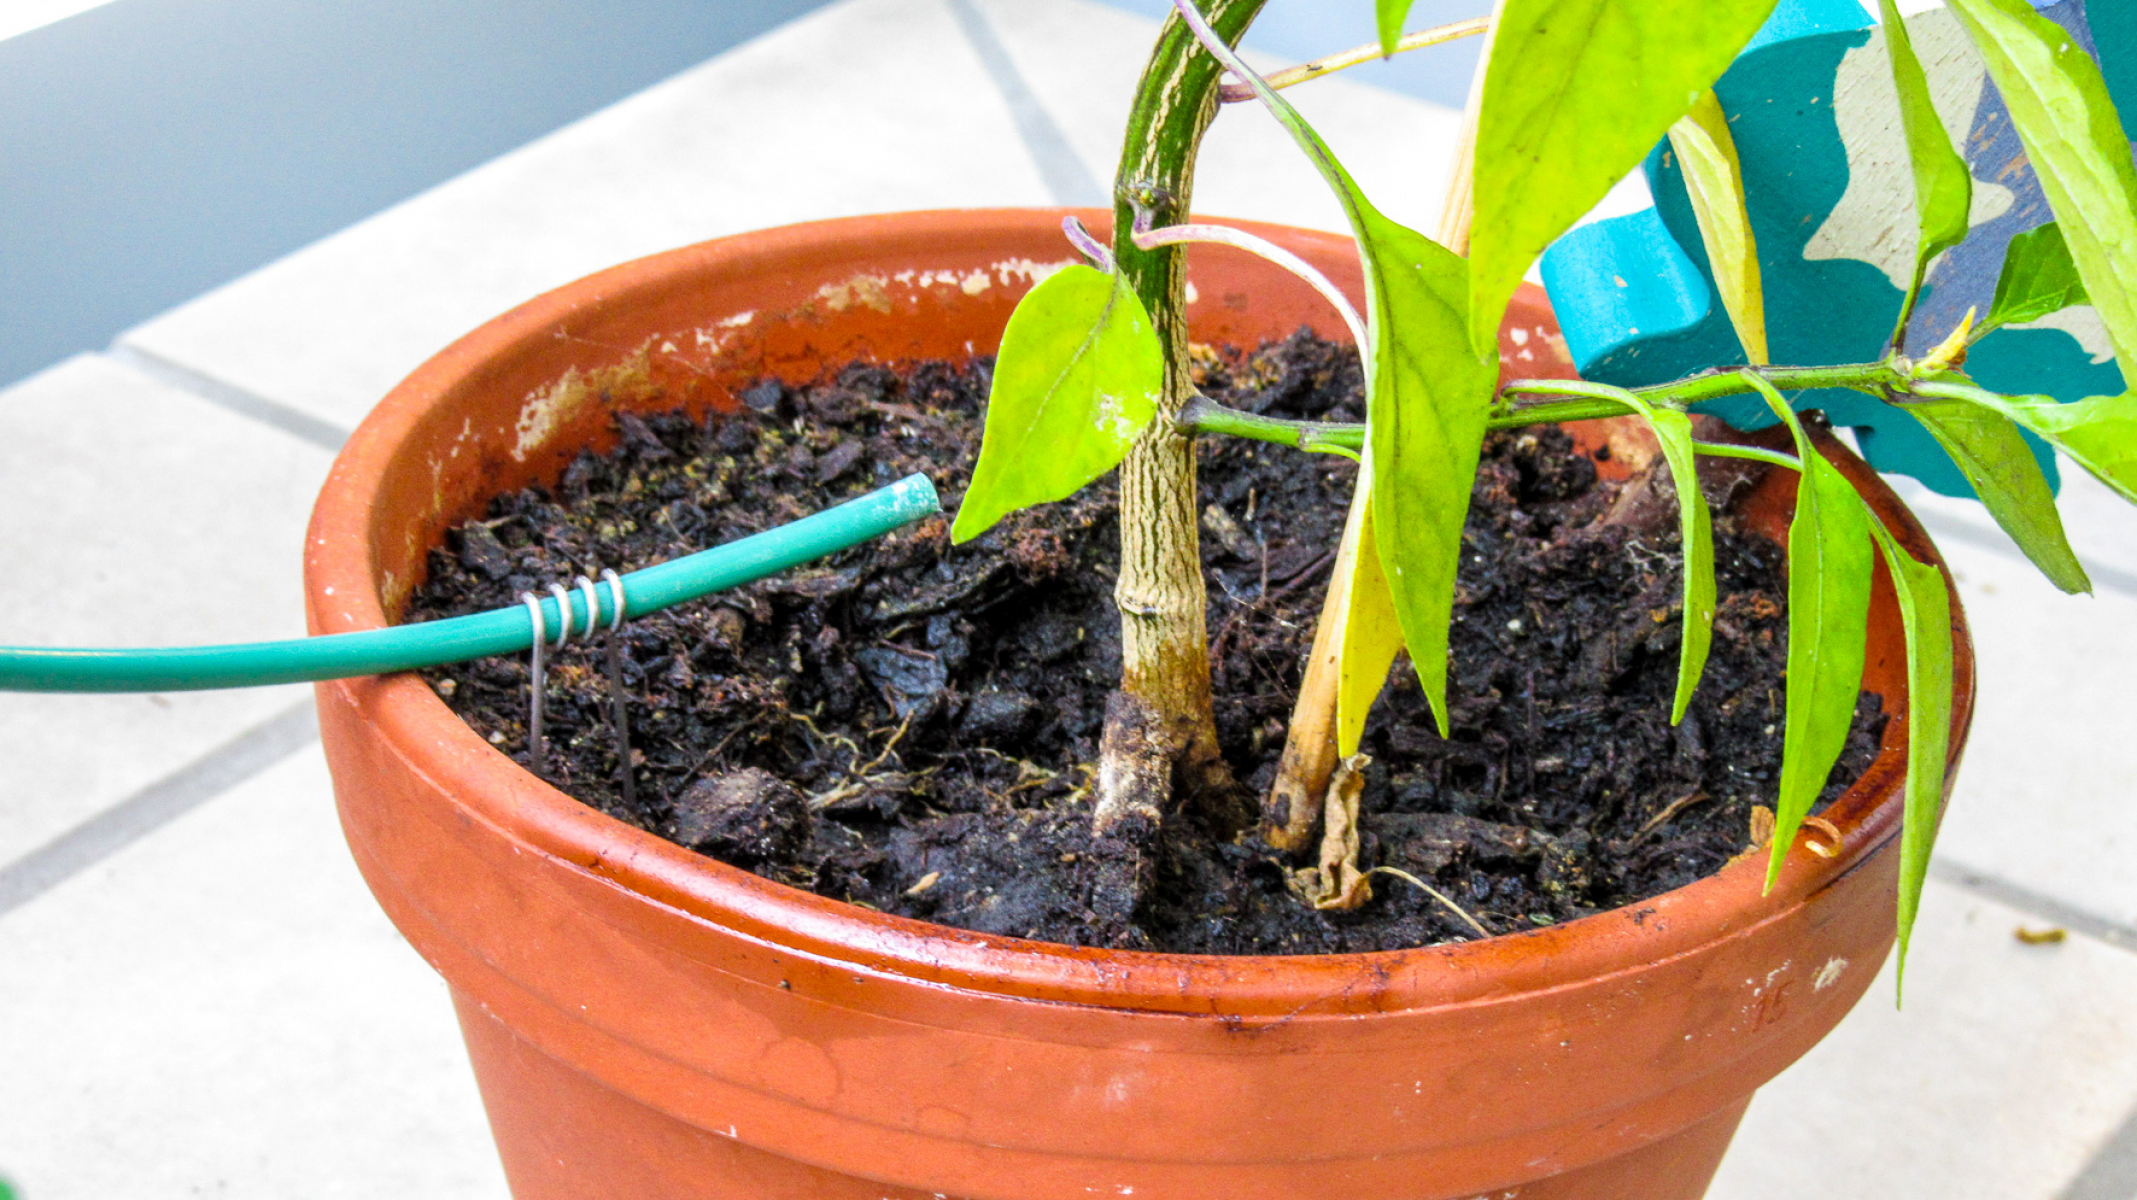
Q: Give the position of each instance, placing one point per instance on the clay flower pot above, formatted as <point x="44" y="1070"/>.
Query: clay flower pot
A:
<point x="646" y="1022"/>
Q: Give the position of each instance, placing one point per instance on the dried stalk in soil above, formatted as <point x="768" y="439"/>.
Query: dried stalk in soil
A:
<point x="1337" y="883"/>
<point x="1293" y="805"/>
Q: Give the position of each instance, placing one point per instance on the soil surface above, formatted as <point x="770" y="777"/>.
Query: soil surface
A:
<point x="912" y="727"/>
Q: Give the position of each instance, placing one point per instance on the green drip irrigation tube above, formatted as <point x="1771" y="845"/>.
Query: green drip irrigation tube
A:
<point x="500" y="631"/>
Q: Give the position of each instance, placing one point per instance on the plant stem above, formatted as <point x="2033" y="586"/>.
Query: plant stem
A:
<point x="1328" y="64"/>
<point x="1093" y="250"/>
<point x="1203" y="415"/>
<point x="1587" y="402"/>
<point x="1897" y="343"/>
<point x="1753" y="453"/>
<point x="1165" y="681"/>
<point x="1240" y="239"/>
<point x="1876" y="378"/>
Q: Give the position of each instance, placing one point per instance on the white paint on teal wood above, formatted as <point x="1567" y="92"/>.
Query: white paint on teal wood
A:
<point x="2082" y="322"/>
<point x="1875" y="219"/>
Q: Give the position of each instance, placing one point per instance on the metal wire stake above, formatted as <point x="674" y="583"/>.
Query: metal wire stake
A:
<point x="535" y="749"/>
<point x="615" y="684"/>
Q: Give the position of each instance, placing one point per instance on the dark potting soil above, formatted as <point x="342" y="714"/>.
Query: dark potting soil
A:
<point x="913" y="727"/>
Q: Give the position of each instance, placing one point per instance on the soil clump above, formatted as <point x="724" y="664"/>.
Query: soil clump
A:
<point x="912" y="727"/>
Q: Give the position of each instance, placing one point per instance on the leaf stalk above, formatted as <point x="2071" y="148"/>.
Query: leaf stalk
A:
<point x="1583" y="401"/>
<point x="1224" y="235"/>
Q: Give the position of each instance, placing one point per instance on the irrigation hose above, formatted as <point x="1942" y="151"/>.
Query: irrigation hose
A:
<point x="457" y="639"/>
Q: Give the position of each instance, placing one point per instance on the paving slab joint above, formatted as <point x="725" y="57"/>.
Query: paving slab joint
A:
<point x="2111" y="1173"/>
<point x="241" y="401"/>
<point x="2036" y="904"/>
<point x="157" y="805"/>
<point x="1987" y="537"/>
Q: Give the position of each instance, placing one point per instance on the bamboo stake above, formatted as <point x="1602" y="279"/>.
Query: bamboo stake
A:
<point x="1328" y="64"/>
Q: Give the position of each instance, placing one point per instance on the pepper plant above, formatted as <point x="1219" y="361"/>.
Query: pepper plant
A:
<point x="1571" y="94"/>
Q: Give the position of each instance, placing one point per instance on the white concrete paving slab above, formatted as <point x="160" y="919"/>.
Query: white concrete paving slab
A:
<point x="2047" y="796"/>
<point x="223" y="1011"/>
<point x="2010" y="1068"/>
<point x="136" y="515"/>
<point x="1083" y="59"/>
<point x="220" y="1009"/>
<point x="864" y="106"/>
<point x="2101" y="525"/>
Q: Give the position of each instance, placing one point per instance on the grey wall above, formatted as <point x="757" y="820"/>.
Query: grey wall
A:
<point x="153" y="149"/>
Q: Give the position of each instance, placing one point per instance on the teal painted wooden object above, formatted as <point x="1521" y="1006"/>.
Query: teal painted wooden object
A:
<point x="1811" y="108"/>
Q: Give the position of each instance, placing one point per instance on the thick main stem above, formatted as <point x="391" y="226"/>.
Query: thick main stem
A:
<point x="1160" y="725"/>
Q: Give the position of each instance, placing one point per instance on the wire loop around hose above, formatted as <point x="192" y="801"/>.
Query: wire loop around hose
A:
<point x="540" y="631"/>
<point x="563" y="613"/>
<point x="585" y="587"/>
<point x="615" y="587"/>
<point x="537" y="678"/>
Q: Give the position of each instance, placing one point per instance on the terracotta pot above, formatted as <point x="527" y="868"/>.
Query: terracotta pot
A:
<point x="646" y="1022"/>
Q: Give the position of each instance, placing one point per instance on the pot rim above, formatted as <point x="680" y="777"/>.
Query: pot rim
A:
<point x="342" y="594"/>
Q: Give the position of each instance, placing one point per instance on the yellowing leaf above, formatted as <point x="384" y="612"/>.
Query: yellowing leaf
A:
<point x="1079" y="374"/>
<point x="1575" y="94"/>
<point x="1715" y="182"/>
<point x="1371" y="634"/>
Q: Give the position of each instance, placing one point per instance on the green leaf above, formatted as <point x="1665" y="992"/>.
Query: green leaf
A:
<point x="1925" y="614"/>
<point x="1674" y="430"/>
<point x="1391" y="14"/>
<point x="1992" y="455"/>
<point x="1425" y="422"/>
<point x="1428" y="398"/>
<point x="2060" y="107"/>
<point x="1714" y="181"/>
<point x="2099" y="433"/>
<point x="1079" y="374"/>
<point x="2038" y="278"/>
<point x="1575" y="94"/>
<point x="1943" y="187"/>
<point x="1828" y="604"/>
